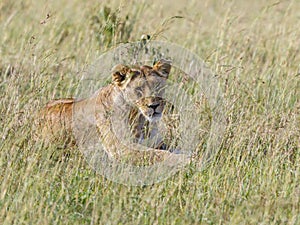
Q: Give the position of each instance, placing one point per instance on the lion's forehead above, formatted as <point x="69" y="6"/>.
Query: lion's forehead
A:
<point x="146" y="83"/>
<point x="143" y="83"/>
<point x="145" y="89"/>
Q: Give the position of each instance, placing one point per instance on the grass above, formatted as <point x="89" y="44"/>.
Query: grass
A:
<point x="253" y="47"/>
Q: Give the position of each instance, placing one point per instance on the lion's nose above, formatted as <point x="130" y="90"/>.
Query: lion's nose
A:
<point x="153" y="106"/>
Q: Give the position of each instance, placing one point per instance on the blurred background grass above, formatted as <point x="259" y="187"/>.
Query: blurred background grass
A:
<point x="253" y="48"/>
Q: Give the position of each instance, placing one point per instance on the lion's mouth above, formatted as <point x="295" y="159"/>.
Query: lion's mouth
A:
<point x="154" y="117"/>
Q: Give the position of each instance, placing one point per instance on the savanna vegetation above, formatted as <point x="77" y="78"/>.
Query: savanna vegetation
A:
<point x="251" y="46"/>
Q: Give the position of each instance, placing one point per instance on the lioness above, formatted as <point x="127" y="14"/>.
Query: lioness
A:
<point x="137" y="91"/>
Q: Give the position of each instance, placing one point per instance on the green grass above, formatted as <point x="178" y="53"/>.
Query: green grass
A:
<point x="253" y="48"/>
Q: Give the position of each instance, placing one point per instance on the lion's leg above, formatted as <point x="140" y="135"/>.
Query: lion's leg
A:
<point x="133" y="153"/>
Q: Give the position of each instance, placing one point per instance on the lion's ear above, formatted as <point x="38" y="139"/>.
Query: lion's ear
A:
<point x="119" y="74"/>
<point x="163" y="67"/>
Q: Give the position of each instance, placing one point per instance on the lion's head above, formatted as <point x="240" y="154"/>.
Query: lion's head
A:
<point x="143" y="87"/>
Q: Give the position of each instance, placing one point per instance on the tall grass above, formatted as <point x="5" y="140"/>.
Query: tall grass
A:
<point x="253" y="47"/>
